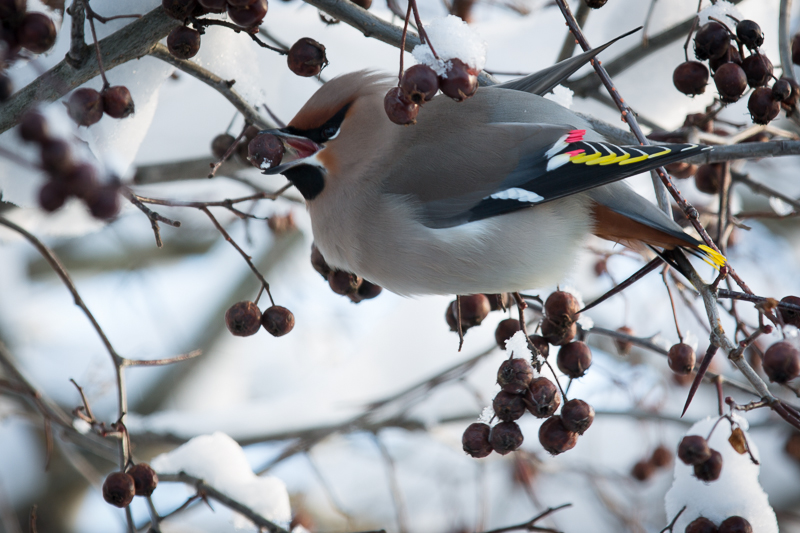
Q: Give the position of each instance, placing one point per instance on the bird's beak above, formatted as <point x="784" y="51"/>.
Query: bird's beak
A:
<point x="298" y="150"/>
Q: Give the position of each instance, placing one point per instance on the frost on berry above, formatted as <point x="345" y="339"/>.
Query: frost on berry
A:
<point x="265" y="151"/>
<point x="460" y="81"/>
<point x="243" y="319"/>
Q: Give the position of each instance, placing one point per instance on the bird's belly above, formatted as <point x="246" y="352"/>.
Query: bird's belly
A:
<point x="527" y="249"/>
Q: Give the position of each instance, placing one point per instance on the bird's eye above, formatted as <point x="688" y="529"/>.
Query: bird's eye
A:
<point x="330" y="132"/>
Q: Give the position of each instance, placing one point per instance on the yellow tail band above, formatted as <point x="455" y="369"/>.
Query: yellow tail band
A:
<point x="713" y="257"/>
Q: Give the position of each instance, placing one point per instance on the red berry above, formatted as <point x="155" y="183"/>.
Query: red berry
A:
<point x="37" y="33"/>
<point x="711" y="41"/>
<point x="574" y="359"/>
<point x="399" y="108"/>
<point x="681" y="170"/>
<point x="117" y="102"/>
<point x="342" y="282"/>
<point x="243" y="319"/>
<point x="420" y="84"/>
<point x="735" y="524"/>
<point x="365" y="291"/>
<point x="781" y="362"/>
<point x="277" y="320"/>
<point x="250" y="15"/>
<point x="690" y="78"/>
<point x="81" y="180"/>
<point x="577" y="416"/>
<point x="474" y="308"/>
<point x="460" y="81"/>
<point x="710" y="469"/>
<point x="85" y="106"/>
<point x="558" y="334"/>
<point x="643" y="470"/>
<point x="790" y="103"/>
<point x="701" y="525"/>
<point x="681" y="359"/>
<point x="782" y="90"/>
<point x="307" y="57"/>
<point x="694" y="450"/>
<point x="514" y="375"/>
<point x="542" y="398"/>
<point x="104" y="201"/>
<point x="562" y="307"/>
<point x="762" y="106"/>
<point x="365" y="4"/>
<point x="265" y="151"/>
<point x="221" y="143"/>
<point x="758" y="69"/>
<point x="624" y="346"/>
<point x="790" y="316"/>
<point x="749" y="32"/>
<point x="33" y="127"/>
<point x="731" y="56"/>
<point x="708" y="178"/>
<point x="52" y="196"/>
<point x="505" y="330"/>
<point x="145" y="479"/>
<point x="731" y="82"/>
<point x="508" y="406"/>
<point x="555" y="438"/>
<point x="56" y="156"/>
<point x="506" y="437"/>
<point x="183" y="42"/>
<point x="475" y="440"/>
<point x="318" y="262"/>
<point x="118" y="489"/>
<point x="661" y="456"/>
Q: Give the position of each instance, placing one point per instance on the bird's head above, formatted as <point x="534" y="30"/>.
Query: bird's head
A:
<point x="330" y="129"/>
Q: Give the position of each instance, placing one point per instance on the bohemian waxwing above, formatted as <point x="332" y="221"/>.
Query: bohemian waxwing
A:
<point x="493" y="194"/>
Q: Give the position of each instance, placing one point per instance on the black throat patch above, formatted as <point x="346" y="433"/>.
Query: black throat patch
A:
<point x="309" y="180"/>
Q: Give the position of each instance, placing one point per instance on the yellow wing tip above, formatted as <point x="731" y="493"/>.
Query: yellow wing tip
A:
<point x="715" y="258"/>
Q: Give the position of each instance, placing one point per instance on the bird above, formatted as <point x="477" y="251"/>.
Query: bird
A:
<point x="490" y="195"/>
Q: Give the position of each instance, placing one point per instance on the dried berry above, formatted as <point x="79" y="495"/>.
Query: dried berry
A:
<point x="595" y="4"/>
<point x="248" y="16"/>
<point x="555" y="438"/>
<point x="577" y="416"/>
<point x="562" y="307"/>
<point x="85" y="106"/>
<point x="420" y="84"/>
<point x="56" y="156"/>
<point x="506" y="437"/>
<point x="540" y="344"/>
<point x="690" y="78"/>
<point x="505" y="330"/>
<point x="763" y="108"/>
<point x="145" y="479"/>
<point x="701" y="525"/>
<point x="52" y="196"/>
<point x="103" y="203"/>
<point x="681" y="170"/>
<point x="318" y="262"/>
<point x="265" y="151"/>
<point x="574" y="359"/>
<point x="708" y="178"/>
<point x="735" y="524"/>
<point x="731" y="82"/>
<point x="6" y="87"/>
<point x="475" y="440"/>
<point x="781" y="90"/>
<point x="499" y="302"/>
<point x="277" y="320"/>
<point x="790" y="316"/>
<point x="36" y="33"/>
<point x="281" y="224"/>
<point x="681" y="359"/>
<point x="221" y="143"/>
<point x="399" y="108"/>
<point x="749" y="32"/>
<point x="694" y="450"/>
<point x="790" y="103"/>
<point x="366" y="291"/>
<point x="81" y="180"/>
<point x="342" y="282"/>
<point x="711" y="41"/>
<point x="710" y="469"/>
<point x="643" y="470"/>
<point x="542" y="398"/>
<point x="474" y="308"/>
<point x="558" y="334"/>
<point x="117" y="102"/>
<point x="661" y="457"/>
<point x="508" y="406"/>
<point x="758" y="69"/>
<point x="460" y="81"/>
<point x="781" y="362"/>
<point x="183" y="42"/>
<point x="179" y="9"/>
<point x="731" y="56"/>
<point x="462" y="9"/>
<point x="307" y="57"/>
<point x="624" y="346"/>
<point x="33" y="127"/>
<point x="118" y="489"/>
<point x="514" y="375"/>
<point x="243" y="319"/>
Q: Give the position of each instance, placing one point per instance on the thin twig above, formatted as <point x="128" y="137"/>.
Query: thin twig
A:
<point x="530" y="525"/>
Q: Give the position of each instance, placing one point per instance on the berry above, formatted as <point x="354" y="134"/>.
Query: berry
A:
<point x="460" y="81"/>
<point x="681" y="170"/>
<point x="56" y="156"/>
<point x="179" y="9"/>
<point x="731" y="56"/>
<point x="342" y="282"/>
<point x="643" y="470"/>
<point x="790" y="316"/>
<point x="248" y="16"/>
<point x="681" y="359"/>
<point x="281" y="224"/>
<point x="243" y="319"/>
<point x="711" y="41"/>
<point x="792" y="446"/>
<point x="307" y="57"/>
<point x="541" y="345"/>
<point x="365" y="291"/>
<point x="514" y="375"/>
<point x="790" y="103"/>
<point x="661" y="456"/>
<point x="508" y="406"/>
<point x="36" y="33"/>
<point x="781" y="362"/>
<point x="52" y="196"/>
<point x="462" y="9"/>
<point x="690" y="78"/>
<point x="758" y="69"/>
<point x="558" y="334"/>
<point x="12" y="9"/>
<point x="474" y="308"/>
<point x="6" y="87"/>
<point x="475" y="440"/>
<point x="542" y="398"/>
<point x="85" y="106"/>
<point x="420" y="84"/>
<point x="505" y="330"/>
<point x="365" y="4"/>
<point x="183" y="42"/>
<point x="265" y="151"/>
<point x="104" y="201"/>
<point x="215" y="6"/>
<point x="506" y="437"/>
<point x="562" y="307"/>
<point x="221" y="143"/>
<point x="782" y="90"/>
<point x="749" y="32"/>
<point x="694" y="450"/>
<point x="118" y="489"/>
<point x="145" y="479"/>
<point x="555" y="438"/>
<point x="499" y="302"/>
<point x="399" y="108"/>
<point x="624" y="346"/>
<point x="702" y="525"/>
<point x="81" y="180"/>
<point x="735" y="524"/>
<point x="277" y="320"/>
<point x="577" y="416"/>
<point x="318" y="262"/>
<point x="731" y="82"/>
<point x="708" y="178"/>
<point x="595" y="4"/>
<point x="117" y="102"/>
<point x="763" y="108"/>
<point x="33" y="127"/>
<point x="574" y="359"/>
<point x="709" y="470"/>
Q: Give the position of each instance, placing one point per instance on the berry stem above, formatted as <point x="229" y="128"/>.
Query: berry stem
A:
<point x="91" y="16"/>
<point x="422" y="33"/>
<point x="201" y="24"/>
<point x="403" y="43"/>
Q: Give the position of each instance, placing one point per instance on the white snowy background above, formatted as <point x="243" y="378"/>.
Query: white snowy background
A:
<point x="158" y="303"/>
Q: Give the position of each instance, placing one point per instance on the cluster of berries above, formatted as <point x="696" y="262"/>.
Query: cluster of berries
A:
<point x="86" y="106"/>
<point x="68" y="177"/>
<point x="245" y="318"/>
<point x="734" y="71"/>
<point x="419" y="84"/>
<point x="119" y="488"/>
<point x="707" y="462"/>
<point x="644" y="469"/>
<point x="733" y="524"/>
<point x="19" y="29"/>
<point x="345" y="283"/>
